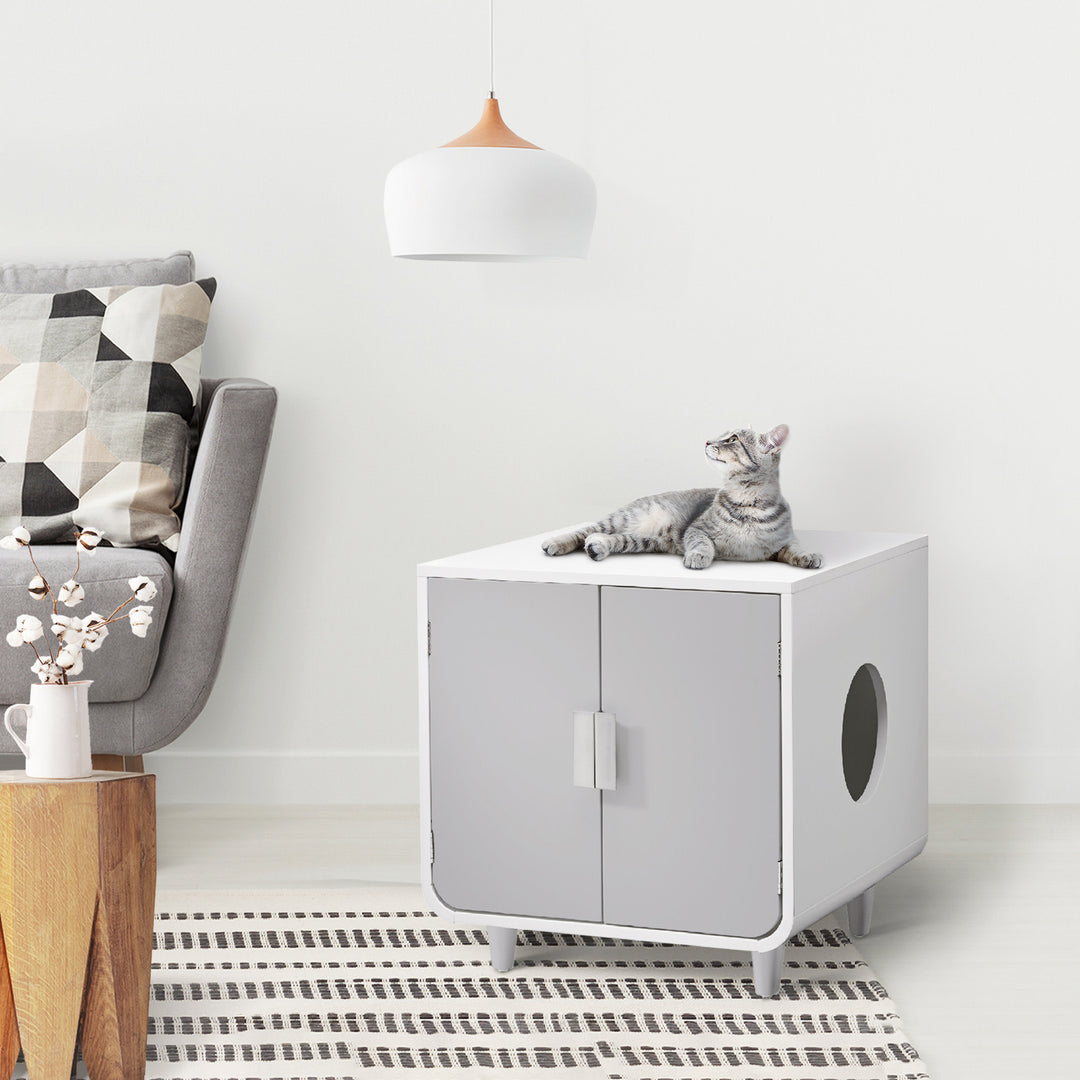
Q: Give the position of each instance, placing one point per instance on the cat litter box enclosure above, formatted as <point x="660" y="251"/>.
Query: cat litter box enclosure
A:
<point x="631" y="749"/>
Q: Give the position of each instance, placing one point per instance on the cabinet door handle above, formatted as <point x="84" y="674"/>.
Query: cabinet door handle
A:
<point x="604" y="733"/>
<point x="584" y="750"/>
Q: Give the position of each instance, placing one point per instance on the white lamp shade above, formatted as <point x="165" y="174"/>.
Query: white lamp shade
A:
<point x="489" y="203"/>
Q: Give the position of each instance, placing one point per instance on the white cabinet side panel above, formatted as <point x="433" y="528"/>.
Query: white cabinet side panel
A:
<point x="876" y="616"/>
<point x="510" y="663"/>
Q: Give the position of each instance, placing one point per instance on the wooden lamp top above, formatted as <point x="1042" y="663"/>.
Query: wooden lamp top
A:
<point x="491" y="131"/>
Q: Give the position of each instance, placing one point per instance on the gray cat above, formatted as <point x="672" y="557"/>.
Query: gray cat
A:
<point x="745" y="518"/>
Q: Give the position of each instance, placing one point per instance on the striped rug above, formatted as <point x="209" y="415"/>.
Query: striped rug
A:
<point x="336" y="984"/>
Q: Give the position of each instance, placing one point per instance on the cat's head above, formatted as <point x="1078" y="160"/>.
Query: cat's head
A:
<point x="745" y="451"/>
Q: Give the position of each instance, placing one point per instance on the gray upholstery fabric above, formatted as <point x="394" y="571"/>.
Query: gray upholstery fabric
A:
<point x="213" y="540"/>
<point x="175" y="269"/>
<point x="122" y="667"/>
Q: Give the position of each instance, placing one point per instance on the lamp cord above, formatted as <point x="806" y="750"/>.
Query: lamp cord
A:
<point x="491" y="48"/>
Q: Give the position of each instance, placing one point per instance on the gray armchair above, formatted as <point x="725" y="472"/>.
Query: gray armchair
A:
<point x="146" y="692"/>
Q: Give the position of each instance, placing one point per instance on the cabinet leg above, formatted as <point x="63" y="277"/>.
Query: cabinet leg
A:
<point x="767" y="966"/>
<point x="502" y="940"/>
<point x="859" y="911"/>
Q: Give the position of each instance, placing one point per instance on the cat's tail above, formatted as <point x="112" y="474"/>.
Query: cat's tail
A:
<point x="564" y="543"/>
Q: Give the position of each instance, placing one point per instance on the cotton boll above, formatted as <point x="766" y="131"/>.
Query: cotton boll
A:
<point x="47" y="670"/>
<point x="71" y="593"/>
<point x="16" y="539"/>
<point x="30" y="627"/>
<point x="140" y="620"/>
<point x="143" y="588"/>
<point x="70" y="659"/>
<point x="89" y="539"/>
<point x="95" y="632"/>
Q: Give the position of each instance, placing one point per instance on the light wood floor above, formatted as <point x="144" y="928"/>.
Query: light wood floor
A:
<point x="976" y="940"/>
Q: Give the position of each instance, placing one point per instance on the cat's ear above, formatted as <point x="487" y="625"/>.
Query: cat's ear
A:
<point x="771" y="441"/>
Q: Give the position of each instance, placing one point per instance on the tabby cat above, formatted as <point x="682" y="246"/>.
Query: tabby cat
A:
<point x="745" y="518"/>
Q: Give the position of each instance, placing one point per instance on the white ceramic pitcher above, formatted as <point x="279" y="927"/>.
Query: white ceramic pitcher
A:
<point x="57" y="745"/>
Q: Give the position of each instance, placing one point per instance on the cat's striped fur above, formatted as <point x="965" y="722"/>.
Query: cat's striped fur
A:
<point x="745" y="518"/>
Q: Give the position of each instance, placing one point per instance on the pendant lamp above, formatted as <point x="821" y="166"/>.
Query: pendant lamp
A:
<point x="489" y="196"/>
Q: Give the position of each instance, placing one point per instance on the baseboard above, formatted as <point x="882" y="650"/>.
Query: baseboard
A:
<point x="388" y="778"/>
<point x="1005" y="778"/>
<point x="279" y="778"/>
<point x="374" y="778"/>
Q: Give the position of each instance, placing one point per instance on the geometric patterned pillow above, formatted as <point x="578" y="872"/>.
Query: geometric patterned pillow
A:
<point x="97" y="391"/>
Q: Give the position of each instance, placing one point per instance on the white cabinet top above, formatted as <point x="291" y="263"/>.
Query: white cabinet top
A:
<point x="522" y="560"/>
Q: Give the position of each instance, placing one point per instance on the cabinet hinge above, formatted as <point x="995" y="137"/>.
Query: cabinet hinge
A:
<point x="779" y="655"/>
<point x="779" y="877"/>
<point x="431" y="847"/>
<point x="429" y="637"/>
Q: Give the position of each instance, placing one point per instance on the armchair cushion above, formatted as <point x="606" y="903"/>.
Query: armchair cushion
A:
<point x="121" y="669"/>
<point x="98" y="388"/>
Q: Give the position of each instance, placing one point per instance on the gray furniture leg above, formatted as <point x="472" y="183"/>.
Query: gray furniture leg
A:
<point x="859" y="911"/>
<point x="767" y="967"/>
<point x="502" y="940"/>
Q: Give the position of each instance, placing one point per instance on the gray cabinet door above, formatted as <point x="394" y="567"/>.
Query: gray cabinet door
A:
<point x="691" y="832"/>
<point x="510" y="662"/>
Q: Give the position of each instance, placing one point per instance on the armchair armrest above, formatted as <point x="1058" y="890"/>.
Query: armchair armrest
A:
<point x="224" y="486"/>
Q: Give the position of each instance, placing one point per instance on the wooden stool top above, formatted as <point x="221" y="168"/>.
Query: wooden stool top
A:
<point x="18" y="776"/>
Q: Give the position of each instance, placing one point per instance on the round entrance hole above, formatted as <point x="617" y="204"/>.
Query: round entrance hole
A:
<point x="862" y="743"/>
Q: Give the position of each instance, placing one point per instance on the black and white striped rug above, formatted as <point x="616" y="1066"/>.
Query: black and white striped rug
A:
<point x="332" y="984"/>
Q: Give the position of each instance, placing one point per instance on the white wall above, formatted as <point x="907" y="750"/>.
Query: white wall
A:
<point x="856" y="218"/>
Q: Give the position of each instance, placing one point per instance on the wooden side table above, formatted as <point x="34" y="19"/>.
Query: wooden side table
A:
<point x="78" y="865"/>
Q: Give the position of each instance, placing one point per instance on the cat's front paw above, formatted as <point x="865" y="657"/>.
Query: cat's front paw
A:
<point x="696" y="560"/>
<point x="807" y="560"/>
<point x="557" y="545"/>
<point x="597" y="546"/>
